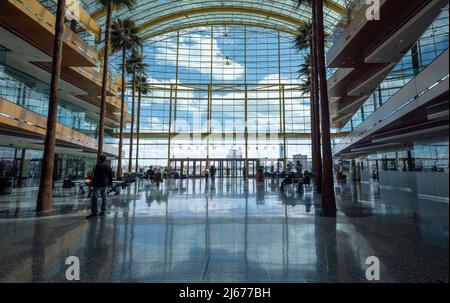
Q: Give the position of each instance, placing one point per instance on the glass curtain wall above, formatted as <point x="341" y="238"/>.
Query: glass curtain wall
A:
<point x="432" y="44"/>
<point x="33" y="94"/>
<point x="207" y="82"/>
<point x="24" y="166"/>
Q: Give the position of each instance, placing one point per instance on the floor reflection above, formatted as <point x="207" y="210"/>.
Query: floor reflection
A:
<point x="229" y="230"/>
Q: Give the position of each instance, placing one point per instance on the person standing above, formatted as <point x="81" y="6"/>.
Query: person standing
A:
<point x="206" y="174"/>
<point x="213" y="171"/>
<point x="102" y="178"/>
<point x="375" y="175"/>
<point x="357" y="172"/>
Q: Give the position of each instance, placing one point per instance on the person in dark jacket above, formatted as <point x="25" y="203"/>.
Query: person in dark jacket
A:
<point x="213" y="172"/>
<point x="101" y="179"/>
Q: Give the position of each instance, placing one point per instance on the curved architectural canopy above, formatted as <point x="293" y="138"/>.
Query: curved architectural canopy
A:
<point x="156" y="17"/>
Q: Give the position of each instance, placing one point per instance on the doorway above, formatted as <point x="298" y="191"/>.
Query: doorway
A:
<point x="231" y="168"/>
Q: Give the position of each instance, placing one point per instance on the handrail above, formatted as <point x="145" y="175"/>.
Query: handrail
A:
<point x="67" y="36"/>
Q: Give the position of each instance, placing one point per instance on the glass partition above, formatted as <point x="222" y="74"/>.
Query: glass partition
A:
<point x="33" y="94"/>
<point x="432" y="44"/>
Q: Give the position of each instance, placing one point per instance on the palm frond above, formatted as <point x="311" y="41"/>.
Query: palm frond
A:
<point x="135" y="63"/>
<point x="117" y="3"/>
<point x="143" y="85"/>
<point x="124" y="35"/>
<point x="305" y="87"/>
<point x="304" y="36"/>
<point x="300" y="3"/>
<point x="304" y="73"/>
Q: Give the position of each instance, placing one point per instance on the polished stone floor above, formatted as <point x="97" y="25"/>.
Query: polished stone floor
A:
<point x="226" y="231"/>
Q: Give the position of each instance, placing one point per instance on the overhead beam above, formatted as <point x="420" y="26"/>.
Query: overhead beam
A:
<point x="335" y="7"/>
<point x="328" y="3"/>
<point x="215" y="10"/>
<point x="165" y="135"/>
<point x="217" y="23"/>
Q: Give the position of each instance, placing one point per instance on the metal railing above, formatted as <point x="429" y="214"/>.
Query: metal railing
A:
<point x="351" y="11"/>
<point x="81" y="31"/>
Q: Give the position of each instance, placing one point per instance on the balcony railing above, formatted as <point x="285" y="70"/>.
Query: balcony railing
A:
<point x="351" y="11"/>
<point x="78" y="27"/>
<point x="34" y="8"/>
<point x="429" y="47"/>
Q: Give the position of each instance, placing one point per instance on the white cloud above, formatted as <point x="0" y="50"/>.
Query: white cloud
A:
<point x="199" y="46"/>
<point x="154" y="120"/>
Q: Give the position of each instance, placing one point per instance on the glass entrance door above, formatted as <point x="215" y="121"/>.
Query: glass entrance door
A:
<point x="225" y="168"/>
<point x="252" y="166"/>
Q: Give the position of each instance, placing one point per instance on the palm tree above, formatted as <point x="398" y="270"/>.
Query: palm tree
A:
<point x="45" y="195"/>
<point x="108" y="4"/>
<point x="124" y="37"/>
<point x="143" y="88"/>
<point x="304" y="41"/>
<point x="135" y="65"/>
<point x="328" y="195"/>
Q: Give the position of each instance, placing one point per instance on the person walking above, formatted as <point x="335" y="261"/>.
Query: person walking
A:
<point x="102" y="178"/>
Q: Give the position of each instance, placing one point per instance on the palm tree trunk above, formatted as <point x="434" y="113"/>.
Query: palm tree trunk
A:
<point x="122" y="114"/>
<point x="101" y="128"/>
<point x="313" y="130"/>
<point x="130" y="157"/>
<point x="328" y="196"/>
<point x="45" y="195"/>
<point x="316" y="106"/>
<point x="138" y="126"/>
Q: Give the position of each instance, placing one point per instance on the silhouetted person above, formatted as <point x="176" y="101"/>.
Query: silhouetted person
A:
<point x="307" y="178"/>
<point x="151" y="173"/>
<point x="374" y="175"/>
<point x="213" y="171"/>
<point x="357" y="172"/>
<point x="206" y="173"/>
<point x="102" y="178"/>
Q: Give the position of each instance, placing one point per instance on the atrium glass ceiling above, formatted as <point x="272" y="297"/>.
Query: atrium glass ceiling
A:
<point x="156" y="17"/>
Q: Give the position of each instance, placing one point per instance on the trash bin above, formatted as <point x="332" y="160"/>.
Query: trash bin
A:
<point x="6" y="185"/>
